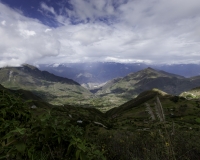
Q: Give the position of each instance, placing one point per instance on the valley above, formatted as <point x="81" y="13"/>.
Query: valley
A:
<point x="99" y="80"/>
<point x="101" y="72"/>
<point x="148" y="114"/>
<point x="59" y="91"/>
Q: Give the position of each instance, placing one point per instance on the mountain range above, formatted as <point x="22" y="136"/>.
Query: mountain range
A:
<point x="93" y="75"/>
<point x="118" y="131"/>
<point x="58" y="90"/>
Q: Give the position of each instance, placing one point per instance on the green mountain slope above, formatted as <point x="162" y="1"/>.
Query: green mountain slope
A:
<point x="191" y="94"/>
<point x="178" y="109"/>
<point x="27" y="96"/>
<point x="53" y="89"/>
<point x="126" y="88"/>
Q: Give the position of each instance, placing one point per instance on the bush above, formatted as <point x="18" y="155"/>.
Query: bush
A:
<point x="27" y="136"/>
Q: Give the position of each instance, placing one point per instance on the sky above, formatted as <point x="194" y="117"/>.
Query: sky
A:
<point x="126" y="31"/>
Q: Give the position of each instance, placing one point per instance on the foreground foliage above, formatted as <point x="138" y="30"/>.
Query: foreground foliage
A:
<point x="126" y="133"/>
<point x="26" y="134"/>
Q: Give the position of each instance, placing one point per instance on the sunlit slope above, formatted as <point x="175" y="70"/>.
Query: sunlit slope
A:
<point x="124" y="89"/>
<point x="178" y="109"/>
<point x="53" y="89"/>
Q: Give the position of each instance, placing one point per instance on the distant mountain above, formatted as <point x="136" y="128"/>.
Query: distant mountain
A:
<point x="186" y="70"/>
<point x="90" y="75"/>
<point x="123" y="89"/>
<point x="143" y="80"/>
<point x="106" y="86"/>
<point x="59" y="90"/>
<point x="53" y="89"/>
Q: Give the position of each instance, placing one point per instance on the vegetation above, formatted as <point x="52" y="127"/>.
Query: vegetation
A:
<point x="59" y="91"/>
<point x="125" y="133"/>
<point x="121" y="90"/>
<point x="53" y="89"/>
<point x="141" y="128"/>
<point x="27" y="134"/>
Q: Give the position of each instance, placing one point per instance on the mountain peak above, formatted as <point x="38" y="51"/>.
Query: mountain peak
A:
<point x="147" y="72"/>
<point x="149" y="68"/>
<point x="150" y="72"/>
<point x="29" y="66"/>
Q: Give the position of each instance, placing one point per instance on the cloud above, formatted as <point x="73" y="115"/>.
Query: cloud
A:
<point x="92" y="10"/>
<point x="50" y="12"/>
<point x="27" y="33"/>
<point x="3" y="23"/>
<point x="47" y="8"/>
<point x="152" y="31"/>
<point x="24" y="39"/>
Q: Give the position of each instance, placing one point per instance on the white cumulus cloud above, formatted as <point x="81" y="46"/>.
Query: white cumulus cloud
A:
<point x="23" y="39"/>
<point x="3" y="23"/>
<point x="156" y="31"/>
